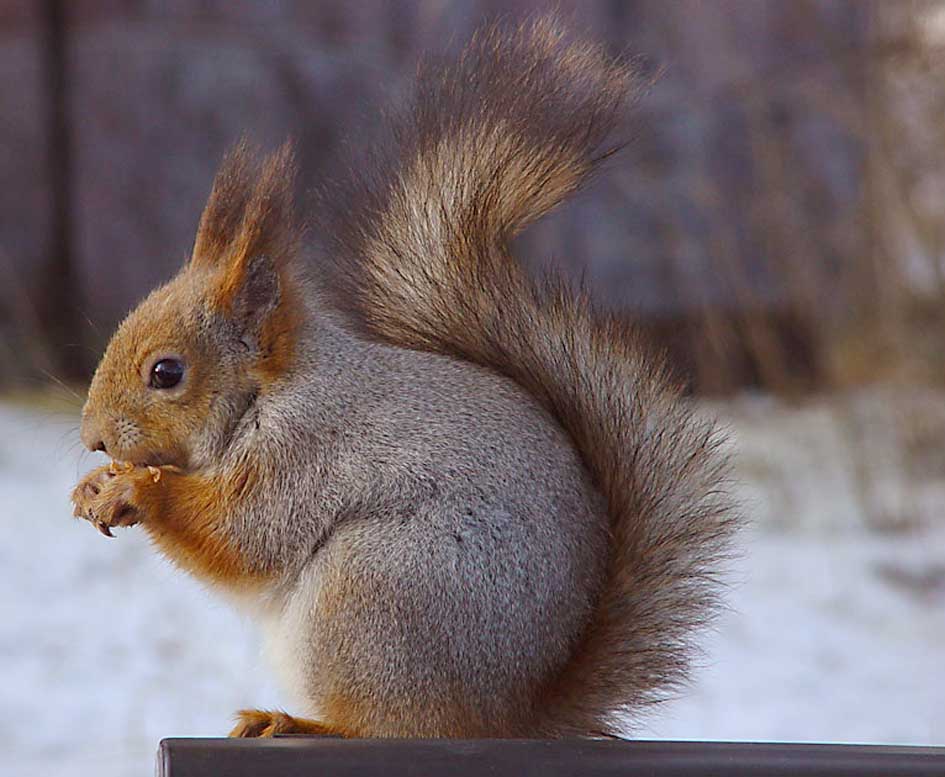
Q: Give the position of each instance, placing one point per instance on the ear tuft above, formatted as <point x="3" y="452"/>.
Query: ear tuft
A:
<point x="250" y="210"/>
<point x="226" y="205"/>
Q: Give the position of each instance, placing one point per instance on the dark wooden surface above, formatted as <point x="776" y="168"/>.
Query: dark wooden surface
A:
<point x="316" y="757"/>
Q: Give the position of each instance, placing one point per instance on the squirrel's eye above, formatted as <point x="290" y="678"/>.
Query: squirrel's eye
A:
<point x="166" y="374"/>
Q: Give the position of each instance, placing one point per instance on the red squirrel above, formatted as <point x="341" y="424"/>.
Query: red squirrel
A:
<point x="461" y="501"/>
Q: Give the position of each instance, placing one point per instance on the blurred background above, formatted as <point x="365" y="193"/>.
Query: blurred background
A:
<point x="777" y="226"/>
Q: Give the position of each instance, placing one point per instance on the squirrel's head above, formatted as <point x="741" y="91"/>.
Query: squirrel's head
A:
<point x="188" y="363"/>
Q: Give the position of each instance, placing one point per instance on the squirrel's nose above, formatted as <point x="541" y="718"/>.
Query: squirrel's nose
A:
<point x="92" y="437"/>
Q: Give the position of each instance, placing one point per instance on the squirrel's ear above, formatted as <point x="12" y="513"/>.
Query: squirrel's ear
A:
<point x="250" y="293"/>
<point x="248" y="235"/>
<point x="258" y="296"/>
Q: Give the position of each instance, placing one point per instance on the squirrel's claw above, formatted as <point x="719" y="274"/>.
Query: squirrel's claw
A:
<point x="103" y="529"/>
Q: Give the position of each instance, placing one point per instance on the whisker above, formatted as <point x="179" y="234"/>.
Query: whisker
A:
<point x="84" y="346"/>
<point x="62" y="384"/>
<point x="64" y="438"/>
<point x="91" y="323"/>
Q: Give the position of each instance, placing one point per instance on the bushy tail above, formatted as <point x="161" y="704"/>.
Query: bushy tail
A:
<point x="491" y="143"/>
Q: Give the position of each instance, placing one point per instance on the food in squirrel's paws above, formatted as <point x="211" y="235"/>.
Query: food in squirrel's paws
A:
<point x="119" y="467"/>
<point x="116" y="467"/>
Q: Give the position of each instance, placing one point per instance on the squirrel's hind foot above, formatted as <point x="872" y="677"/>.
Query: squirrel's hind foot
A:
<point x="269" y="723"/>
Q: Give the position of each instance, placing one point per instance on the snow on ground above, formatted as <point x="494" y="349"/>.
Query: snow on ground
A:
<point x="836" y="626"/>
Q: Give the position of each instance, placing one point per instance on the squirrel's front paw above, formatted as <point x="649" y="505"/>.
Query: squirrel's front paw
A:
<point x="109" y="496"/>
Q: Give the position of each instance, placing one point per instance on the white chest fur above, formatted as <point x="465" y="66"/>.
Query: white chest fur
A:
<point x="287" y="622"/>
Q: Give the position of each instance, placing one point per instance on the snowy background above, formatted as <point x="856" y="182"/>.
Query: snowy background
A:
<point x="836" y="627"/>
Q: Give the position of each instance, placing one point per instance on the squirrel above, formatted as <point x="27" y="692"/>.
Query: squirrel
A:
<point x="460" y="499"/>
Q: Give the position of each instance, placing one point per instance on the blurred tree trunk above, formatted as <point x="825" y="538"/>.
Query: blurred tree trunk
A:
<point x="58" y="311"/>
